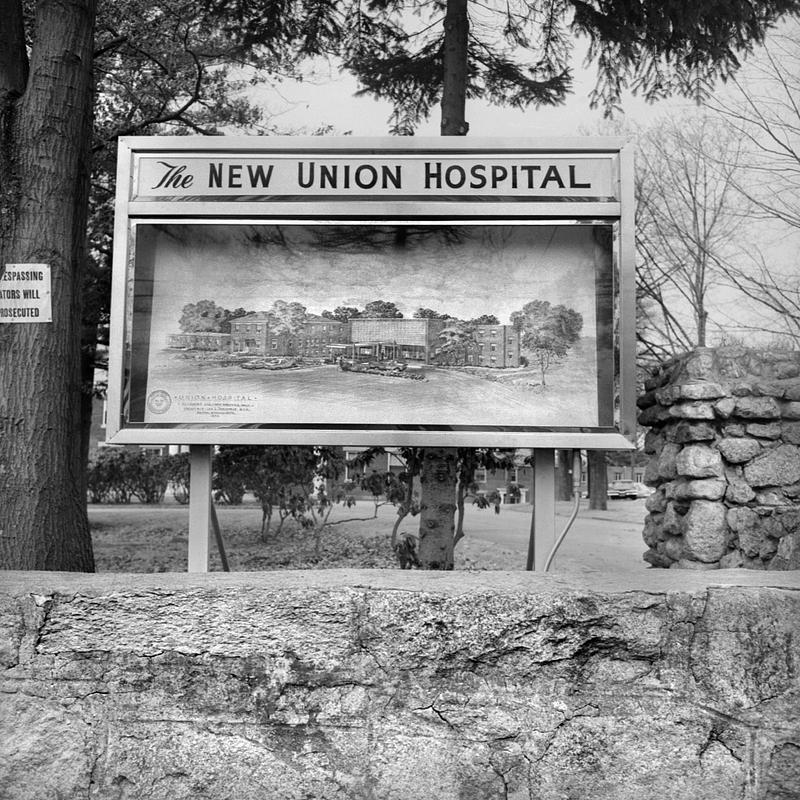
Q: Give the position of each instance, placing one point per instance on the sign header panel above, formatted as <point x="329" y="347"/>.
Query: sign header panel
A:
<point x="300" y="177"/>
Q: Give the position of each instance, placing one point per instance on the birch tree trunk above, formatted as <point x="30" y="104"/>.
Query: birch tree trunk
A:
<point x="44" y="172"/>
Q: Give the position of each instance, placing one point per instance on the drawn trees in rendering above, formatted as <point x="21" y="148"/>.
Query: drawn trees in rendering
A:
<point x="341" y="313"/>
<point x="457" y="342"/>
<point x="382" y="309"/>
<point x="205" y="316"/>
<point x="547" y="332"/>
<point x="287" y="318"/>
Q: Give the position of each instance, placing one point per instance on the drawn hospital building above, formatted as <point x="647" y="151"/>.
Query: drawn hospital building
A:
<point x="411" y="340"/>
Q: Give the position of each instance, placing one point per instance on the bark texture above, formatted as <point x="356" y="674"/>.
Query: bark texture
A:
<point x="564" y="475"/>
<point x="400" y="685"/>
<point x="437" y="508"/>
<point x="44" y="173"/>
<point x="598" y="479"/>
<point x="456" y="69"/>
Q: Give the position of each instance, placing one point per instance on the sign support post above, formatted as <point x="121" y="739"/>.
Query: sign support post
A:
<point x="543" y="517"/>
<point x="199" y="507"/>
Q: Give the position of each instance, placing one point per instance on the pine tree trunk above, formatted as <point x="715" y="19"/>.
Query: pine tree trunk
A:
<point x="454" y="86"/>
<point x="598" y="479"/>
<point x="44" y="170"/>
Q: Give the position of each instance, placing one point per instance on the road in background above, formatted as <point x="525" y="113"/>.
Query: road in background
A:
<point x="598" y="540"/>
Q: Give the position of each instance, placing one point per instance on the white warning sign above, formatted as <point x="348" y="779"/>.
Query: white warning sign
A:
<point x="25" y="293"/>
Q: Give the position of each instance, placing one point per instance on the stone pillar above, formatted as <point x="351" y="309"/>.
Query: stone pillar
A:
<point x="724" y="445"/>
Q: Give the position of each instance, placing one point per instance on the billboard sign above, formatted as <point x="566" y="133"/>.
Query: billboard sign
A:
<point x="392" y="292"/>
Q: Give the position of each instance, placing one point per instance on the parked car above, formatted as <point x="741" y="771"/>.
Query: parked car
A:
<point x="623" y="490"/>
<point x="628" y="490"/>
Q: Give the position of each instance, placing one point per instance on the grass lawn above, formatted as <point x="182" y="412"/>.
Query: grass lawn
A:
<point x="142" y="538"/>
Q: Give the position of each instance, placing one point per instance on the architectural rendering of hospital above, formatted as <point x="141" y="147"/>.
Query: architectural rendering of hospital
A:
<point x="423" y="341"/>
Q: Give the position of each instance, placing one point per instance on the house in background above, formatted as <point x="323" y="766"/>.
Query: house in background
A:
<point x="621" y="473"/>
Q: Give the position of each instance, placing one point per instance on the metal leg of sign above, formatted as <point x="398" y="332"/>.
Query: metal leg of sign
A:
<point x="543" y="518"/>
<point x="223" y="556"/>
<point x="199" y="506"/>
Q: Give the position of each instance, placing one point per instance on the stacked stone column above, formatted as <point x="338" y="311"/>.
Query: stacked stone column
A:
<point x="724" y="445"/>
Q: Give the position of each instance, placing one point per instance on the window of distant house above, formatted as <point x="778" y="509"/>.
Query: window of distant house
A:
<point x="617" y="476"/>
<point x="493" y="348"/>
<point x="347" y="467"/>
<point x="480" y="475"/>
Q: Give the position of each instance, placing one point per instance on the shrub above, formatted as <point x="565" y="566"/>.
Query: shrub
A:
<point x="228" y="478"/>
<point x="177" y="470"/>
<point x="147" y="473"/>
<point x="117" y="474"/>
<point x="108" y="476"/>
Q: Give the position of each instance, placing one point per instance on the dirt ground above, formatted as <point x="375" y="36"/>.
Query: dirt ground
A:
<point x="137" y="538"/>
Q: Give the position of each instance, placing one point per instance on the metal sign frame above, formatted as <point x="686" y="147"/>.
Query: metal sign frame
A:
<point x="477" y="181"/>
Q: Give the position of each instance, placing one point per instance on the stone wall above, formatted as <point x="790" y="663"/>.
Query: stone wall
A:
<point x="397" y="685"/>
<point x="724" y="442"/>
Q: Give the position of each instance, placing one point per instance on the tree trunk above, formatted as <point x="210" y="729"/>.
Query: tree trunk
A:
<point x="702" y="322"/>
<point x="44" y="172"/>
<point x="436" y="526"/>
<point x="266" y="522"/>
<point x="598" y="479"/>
<point x="563" y="476"/>
<point x="454" y="64"/>
<point x="438" y="475"/>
